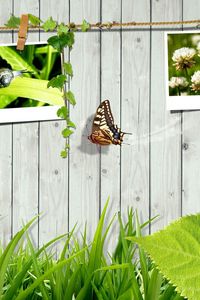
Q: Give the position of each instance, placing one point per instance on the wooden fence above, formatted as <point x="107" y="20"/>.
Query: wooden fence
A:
<point x="159" y="173"/>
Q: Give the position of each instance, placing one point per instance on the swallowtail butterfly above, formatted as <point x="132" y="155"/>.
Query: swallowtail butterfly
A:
<point x="104" y="131"/>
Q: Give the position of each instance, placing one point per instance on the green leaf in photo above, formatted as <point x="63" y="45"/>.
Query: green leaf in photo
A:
<point x="62" y="28"/>
<point x="85" y="26"/>
<point x="49" y="24"/>
<point x="13" y="22"/>
<point x="34" y="20"/>
<point x="6" y="100"/>
<point x="67" y="132"/>
<point x="70" y="97"/>
<point x="33" y="88"/>
<point x="68" y="68"/>
<point x="57" y="82"/>
<point x="175" y="251"/>
<point x="63" y="112"/>
<point x="16" y="61"/>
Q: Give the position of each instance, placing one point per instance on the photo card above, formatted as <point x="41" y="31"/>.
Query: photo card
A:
<point x="182" y="61"/>
<point x="24" y="75"/>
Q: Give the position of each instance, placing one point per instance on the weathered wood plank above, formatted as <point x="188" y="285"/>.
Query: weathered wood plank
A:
<point x="111" y="90"/>
<point x="165" y="128"/>
<point x="191" y="137"/>
<point x="84" y="156"/>
<point x="5" y="150"/>
<point x="135" y="109"/>
<point x="25" y="150"/>
<point x="53" y="169"/>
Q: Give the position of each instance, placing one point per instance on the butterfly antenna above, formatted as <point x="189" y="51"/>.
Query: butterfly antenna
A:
<point x="127" y="133"/>
<point x="126" y="144"/>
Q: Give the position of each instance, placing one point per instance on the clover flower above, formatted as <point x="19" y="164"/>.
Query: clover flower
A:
<point x="195" y="39"/>
<point x="195" y="79"/>
<point x="183" y="58"/>
<point x="178" y="82"/>
<point x="198" y="48"/>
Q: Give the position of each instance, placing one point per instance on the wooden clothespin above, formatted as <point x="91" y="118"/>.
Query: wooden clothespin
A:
<point x="23" y="28"/>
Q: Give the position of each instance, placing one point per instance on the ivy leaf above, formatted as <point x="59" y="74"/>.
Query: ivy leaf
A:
<point x="13" y="22"/>
<point x="61" y="41"/>
<point x="68" y="68"/>
<point x="67" y="132"/>
<point x="63" y="153"/>
<point x="70" y="97"/>
<point x="34" y="20"/>
<point x="62" y="28"/>
<point x="71" y="124"/>
<point x="57" y="82"/>
<point x="49" y="24"/>
<point x="85" y="26"/>
<point x="63" y="112"/>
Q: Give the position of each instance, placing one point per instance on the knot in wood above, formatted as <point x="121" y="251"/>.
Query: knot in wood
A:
<point x="185" y="146"/>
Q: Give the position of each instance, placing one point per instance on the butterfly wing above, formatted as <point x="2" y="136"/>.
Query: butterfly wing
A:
<point x="103" y="118"/>
<point x="104" y="131"/>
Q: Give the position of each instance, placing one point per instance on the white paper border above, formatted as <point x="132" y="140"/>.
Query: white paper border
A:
<point x="28" y="114"/>
<point x="178" y="102"/>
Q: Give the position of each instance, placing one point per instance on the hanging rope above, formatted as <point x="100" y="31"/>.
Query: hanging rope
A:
<point x="110" y="25"/>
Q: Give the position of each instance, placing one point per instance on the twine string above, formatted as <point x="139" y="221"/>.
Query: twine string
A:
<point x="110" y="25"/>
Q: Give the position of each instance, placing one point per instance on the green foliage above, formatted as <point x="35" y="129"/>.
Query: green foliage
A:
<point x="63" y="112"/>
<point x="83" y="270"/>
<point x="66" y="132"/>
<point x="176" y="42"/>
<point x="68" y="69"/>
<point x="57" y="82"/>
<point x="49" y="24"/>
<point x="63" y="39"/>
<point x="59" y="42"/>
<point x="62" y="28"/>
<point x="85" y="26"/>
<point x="34" y="88"/>
<point x="175" y="250"/>
<point x="25" y="87"/>
<point x="70" y="97"/>
<point x="34" y="20"/>
<point x="13" y="22"/>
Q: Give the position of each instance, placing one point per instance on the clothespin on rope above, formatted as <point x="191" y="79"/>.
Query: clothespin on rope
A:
<point x="23" y="28"/>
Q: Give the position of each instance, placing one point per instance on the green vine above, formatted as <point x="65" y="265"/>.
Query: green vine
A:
<point x="63" y="39"/>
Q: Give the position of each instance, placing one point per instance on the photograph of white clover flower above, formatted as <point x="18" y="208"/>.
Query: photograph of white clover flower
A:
<point x="183" y="69"/>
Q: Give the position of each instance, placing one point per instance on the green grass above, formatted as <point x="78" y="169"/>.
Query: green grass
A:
<point x="83" y="270"/>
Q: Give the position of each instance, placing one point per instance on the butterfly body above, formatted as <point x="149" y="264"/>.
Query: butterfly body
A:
<point x="104" y="131"/>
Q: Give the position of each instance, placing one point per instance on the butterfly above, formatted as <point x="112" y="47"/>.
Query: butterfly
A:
<point x="104" y="131"/>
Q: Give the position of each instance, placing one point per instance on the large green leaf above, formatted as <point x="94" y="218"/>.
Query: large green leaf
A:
<point x="35" y="89"/>
<point x="16" y="61"/>
<point x="176" y="252"/>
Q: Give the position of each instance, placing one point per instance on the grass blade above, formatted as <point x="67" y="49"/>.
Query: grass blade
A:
<point x="4" y="260"/>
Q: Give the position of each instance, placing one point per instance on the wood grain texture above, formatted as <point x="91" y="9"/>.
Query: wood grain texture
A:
<point x="25" y="150"/>
<point x="84" y="156"/>
<point x="53" y="181"/>
<point x="111" y="89"/>
<point x="165" y="128"/>
<point x="150" y="173"/>
<point x="5" y="151"/>
<point x="191" y="137"/>
<point x="135" y="110"/>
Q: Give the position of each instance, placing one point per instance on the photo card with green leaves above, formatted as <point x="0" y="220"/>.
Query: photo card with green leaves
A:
<point x="25" y="93"/>
<point x="182" y="70"/>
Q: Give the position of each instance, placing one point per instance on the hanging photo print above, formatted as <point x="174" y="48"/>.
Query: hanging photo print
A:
<point x="24" y="95"/>
<point x="183" y="70"/>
